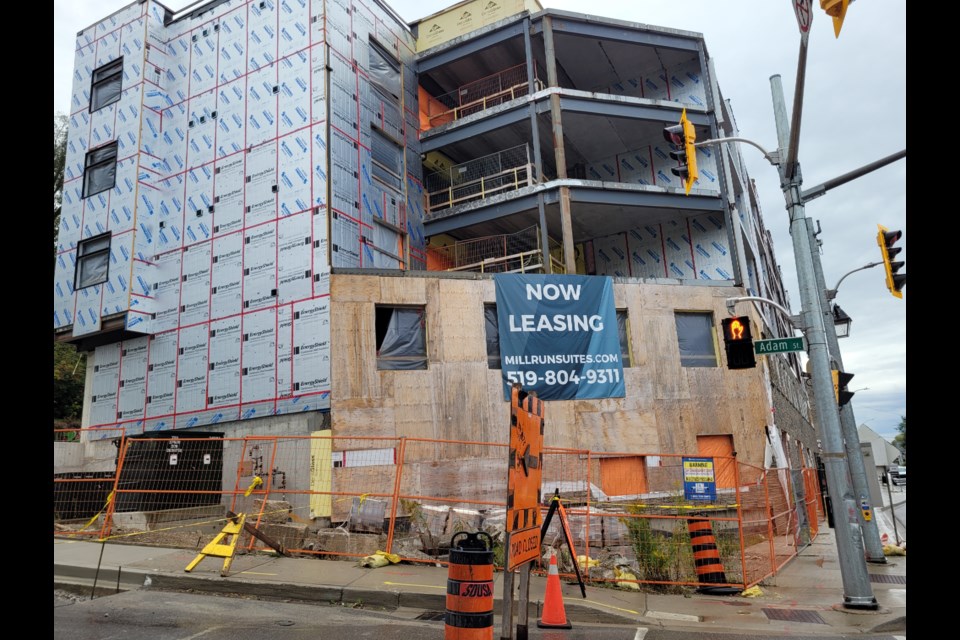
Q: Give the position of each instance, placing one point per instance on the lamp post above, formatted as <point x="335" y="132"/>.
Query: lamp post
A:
<point x="873" y="548"/>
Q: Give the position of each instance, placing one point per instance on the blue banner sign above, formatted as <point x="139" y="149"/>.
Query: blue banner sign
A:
<point x="558" y="336"/>
<point x="699" y="480"/>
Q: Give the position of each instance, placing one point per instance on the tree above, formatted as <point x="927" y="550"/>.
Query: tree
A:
<point x="900" y="440"/>
<point x="68" y="375"/>
<point x="60" y="127"/>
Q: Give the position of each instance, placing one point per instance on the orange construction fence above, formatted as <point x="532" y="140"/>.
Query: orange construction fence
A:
<point x="342" y="496"/>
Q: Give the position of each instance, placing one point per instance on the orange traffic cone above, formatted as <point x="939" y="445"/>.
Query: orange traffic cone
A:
<point x="554" y="615"/>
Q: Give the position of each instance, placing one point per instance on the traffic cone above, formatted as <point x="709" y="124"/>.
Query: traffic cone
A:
<point x="554" y="615"/>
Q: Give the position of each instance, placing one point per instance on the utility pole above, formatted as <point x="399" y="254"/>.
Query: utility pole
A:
<point x="848" y="425"/>
<point x="858" y="593"/>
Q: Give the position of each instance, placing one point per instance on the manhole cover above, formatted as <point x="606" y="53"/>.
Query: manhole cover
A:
<point x="431" y="615"/>
<point x="887" y="579"/>
<point x="794" y="615"/>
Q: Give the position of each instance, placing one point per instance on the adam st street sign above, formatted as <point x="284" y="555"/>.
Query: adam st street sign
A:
<point x="778" y="345"/>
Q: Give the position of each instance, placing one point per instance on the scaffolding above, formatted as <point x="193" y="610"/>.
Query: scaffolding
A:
<point x="519" y="252"/>
<point x="481" y="94"/>
<point x="506" y="170"/>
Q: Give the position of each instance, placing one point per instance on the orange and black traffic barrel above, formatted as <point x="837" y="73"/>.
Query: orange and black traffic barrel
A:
<point x="470" y="587"/>
<point x="706" y="559"/>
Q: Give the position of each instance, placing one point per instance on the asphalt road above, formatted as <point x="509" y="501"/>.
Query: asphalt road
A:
<point x="156" y="615"/>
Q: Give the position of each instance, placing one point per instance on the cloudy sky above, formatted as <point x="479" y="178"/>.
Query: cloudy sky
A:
<point x="854" y="112"/>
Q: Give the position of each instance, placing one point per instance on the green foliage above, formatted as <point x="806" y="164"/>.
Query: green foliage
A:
<point x="60" y="127"/>
<point x="69" y="372"/>
<point x="900" y="441"/>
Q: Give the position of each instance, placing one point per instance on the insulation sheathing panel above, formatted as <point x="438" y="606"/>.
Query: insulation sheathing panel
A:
<point x="260" y="267"/>
<point x="261" y="124"/>
<point x="687" y="84"/>
<point x="344" y="241"/>
<point x="228" y="198"/>
<point x="224" y="382"/>
<point x="294" y="173"/>
<point x="338" y="21"/>
<point x="161" y="377"/>
<point x="707" y="175"/>
<point x="195" y="284"/>
<point x="294" y="251"/>
<point x="320" y="266"/>
<point x="294" y="92"/>
<point x="317" y="21"/>
<point x="106" y="381"/>
<point x="654" y="85"/>
<point x="662" y="165"/>
<point x="645" y="245"/>
<point x="87" y="311"/>
<point x="635" y="166"/>
<point x="260" y="192"/>
<point x="605" y="170"/>
<point x="63" y="294"/>
<point x="198" y="213"/>
<point x="284" y="354"/>
<point x="311" y="346"/>
<point x="192" y="365"/>
<point x="201" y="129"/>
<point x="318" y="83"/>
<point x="711" y="248"/>
<point x="362" y="29"/>
<point x="415" y="213"/>
<point x="261" y="34"/>
<point x="318" y="146"/>
<point x="166" y="291"/>
<point x="610" y="255"/>
<point x="231" y="117"/>
<point x="95" y="213"/>
<point x="293" y="26"/>
<point x="227" y="275"/>
<point x="677" y="250"/>
<point x="116" y="290"/>
<point x="169" y="214"/>
<point x="133" y="379"/>
<point x="232" y="47"/>
<point x="203" y="59"/>
<point x="173" y="141"/>
<point x="258" y="376"/>
<point x="177" y="77"/>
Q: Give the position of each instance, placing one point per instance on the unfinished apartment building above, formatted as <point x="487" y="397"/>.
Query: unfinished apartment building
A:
<point x="283" y="217"/>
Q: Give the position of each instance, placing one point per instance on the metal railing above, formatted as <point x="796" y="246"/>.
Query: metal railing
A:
<point x="499" y="172"/>
<point x="479" y="95"/>
<point x="520" y="252"/>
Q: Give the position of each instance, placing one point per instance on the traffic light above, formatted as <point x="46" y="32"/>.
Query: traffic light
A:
<point x="836" y="9"/>
<point x="681" y="137"/>
<point x="886" y="239"/>
<point x="840" y="382"/>
<point x="738" y="343"/>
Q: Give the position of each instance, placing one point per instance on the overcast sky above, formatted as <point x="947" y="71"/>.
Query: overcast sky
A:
<point x="854" y="112"/>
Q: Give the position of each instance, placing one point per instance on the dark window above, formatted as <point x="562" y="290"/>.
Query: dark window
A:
<point x="401" y="338"/>
<point x="387" y="159"/>
<point x="623" y="331"/>
<point x="105" y="88"/>
<point x="384" y="68"/>
<point x="697" y="339"/>
<point x="100" y="170"/>
<point x="93" y="260"/>
<point x="492" y="328"/>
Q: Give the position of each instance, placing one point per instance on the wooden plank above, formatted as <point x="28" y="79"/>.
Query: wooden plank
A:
<point x="350" y="288"/>
<point x="353" y="367"/>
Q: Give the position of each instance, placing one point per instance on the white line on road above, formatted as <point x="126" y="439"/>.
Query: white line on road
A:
<point x="641" y="633"/>
<point x="203" y="633"/>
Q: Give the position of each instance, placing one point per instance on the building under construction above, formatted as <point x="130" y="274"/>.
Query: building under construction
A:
<point x="285" y="218"/>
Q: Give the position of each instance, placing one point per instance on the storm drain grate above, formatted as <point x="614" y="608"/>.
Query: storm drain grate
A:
<point x="794" y="615"/>
<point x="887" y="579"/>
<point x="431" y="615"/>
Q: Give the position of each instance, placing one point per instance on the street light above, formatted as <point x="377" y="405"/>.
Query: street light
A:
<point x="841" y="322"/>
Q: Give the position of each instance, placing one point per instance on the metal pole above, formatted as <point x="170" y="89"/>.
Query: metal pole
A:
<point x="535" y="135"/>
<point x="820" y="189"/>
<point x="853" y="568"/>
<point x="893" y="515"/>
<point x="848" y="425"/>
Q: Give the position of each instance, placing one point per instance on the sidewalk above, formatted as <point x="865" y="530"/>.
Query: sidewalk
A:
<point x="803" y="599"/>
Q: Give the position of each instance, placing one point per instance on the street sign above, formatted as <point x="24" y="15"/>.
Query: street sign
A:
<point x="804" y="15"/>
<point x="522" y="546"/>
<point x="778" y="345"/>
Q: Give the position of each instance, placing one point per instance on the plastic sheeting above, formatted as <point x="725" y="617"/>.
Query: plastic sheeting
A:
<point x="696" y="339"/>
<point x="404" y="345"/>
<point x="101" y="170"/>
<point x="492" y="328"/>
<point x="107" y="85"/>
<point x="382" y="71"/>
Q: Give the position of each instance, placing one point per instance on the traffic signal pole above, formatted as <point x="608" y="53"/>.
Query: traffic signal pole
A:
<point x="858" y="593"/>
<point x="848" y="425"/>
